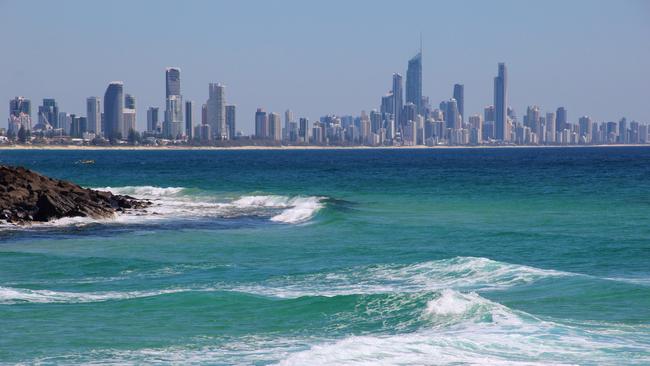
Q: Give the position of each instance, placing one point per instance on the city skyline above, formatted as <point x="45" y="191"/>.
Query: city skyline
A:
<point x="350" y="77"/>
<point x="400" y="121"/>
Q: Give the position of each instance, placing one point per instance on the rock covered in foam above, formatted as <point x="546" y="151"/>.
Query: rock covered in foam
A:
<point x="26" y="196"/>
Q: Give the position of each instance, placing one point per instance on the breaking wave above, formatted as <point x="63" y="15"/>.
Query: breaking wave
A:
<point x="191" y="204"/>
<point x="461" y="328"/>
<point x="466" y="328"/>
<point x="10" y="296"/>
<point x="463" y="273"/>
<point x="460" y="273"/>
<point x="446" y="321"/>
<point x="182" y="202"/>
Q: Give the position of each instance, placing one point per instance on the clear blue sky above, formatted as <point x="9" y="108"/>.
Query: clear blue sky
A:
<point x="319" y="57"/>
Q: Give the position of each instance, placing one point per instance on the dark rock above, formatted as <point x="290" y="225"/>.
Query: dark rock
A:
<point x="26" y="196"/>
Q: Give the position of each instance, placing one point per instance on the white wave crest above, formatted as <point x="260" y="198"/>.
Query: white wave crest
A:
<point x="9" y="295"/>
<point x="463" y="273"/>
<point x="144" y="191"/>
<point x="175" y="202"/>
<point x="294" y="209"/>
<point x="482" y="333"/>
<point x="183" y="203"/>
<point x="471" y="330"/>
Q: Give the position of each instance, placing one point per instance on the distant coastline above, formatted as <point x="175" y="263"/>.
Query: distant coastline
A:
<point x="309" y="147"/>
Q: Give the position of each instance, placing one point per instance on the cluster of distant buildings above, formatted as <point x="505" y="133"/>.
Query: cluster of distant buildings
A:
<point x="405" y="118"/>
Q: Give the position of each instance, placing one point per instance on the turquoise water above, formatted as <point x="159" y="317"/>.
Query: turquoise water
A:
<point x="467" y="256"/>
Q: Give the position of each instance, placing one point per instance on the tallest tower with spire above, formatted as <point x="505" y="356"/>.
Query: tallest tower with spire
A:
<point x="414" y="80"/>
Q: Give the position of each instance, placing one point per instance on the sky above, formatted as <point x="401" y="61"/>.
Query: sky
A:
<point x="330" y="57"/>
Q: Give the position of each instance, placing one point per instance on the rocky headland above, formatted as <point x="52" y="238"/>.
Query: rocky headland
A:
<point x="26" y="197"/>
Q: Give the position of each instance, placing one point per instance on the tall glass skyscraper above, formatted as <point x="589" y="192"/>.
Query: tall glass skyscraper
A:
<point x="451" y="114"/>
<point x="501" y="103"/>
<point x="172" y="81"/>
<point x="129" y="101"/>
<point x="560" y="119"/>
<point x="231" y="116"/>
<point x="114" y="110"/>
<point x="261" y="124"/>
<point x="459" y="95"/>
<point x="20" y="105"/>
<point x="152" y="120"/>
<point x="173" y="124"/>
<point x="48" y="114"/>
<point x="414" y="82"/>
<point x="94" y="115"/>
<point x="189" y="118"/>
<point x="398" y="99"/>
<point x="217" y="110"/>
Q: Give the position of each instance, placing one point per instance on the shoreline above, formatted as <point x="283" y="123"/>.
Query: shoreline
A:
<point x="288" y="148"/>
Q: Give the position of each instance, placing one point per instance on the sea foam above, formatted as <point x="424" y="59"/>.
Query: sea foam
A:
<point x="184" y="203"/>
<point x="9" y="295"/>
<point x="464" y="328"/>
<point x="462" y="273"/>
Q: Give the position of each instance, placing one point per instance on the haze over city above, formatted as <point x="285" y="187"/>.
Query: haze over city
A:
<point x="331" y="58"/>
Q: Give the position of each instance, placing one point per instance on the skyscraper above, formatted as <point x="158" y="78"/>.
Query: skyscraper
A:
<point x="20" y="105"/>
<point x="275" y="127"/>
<point x="584" y="126"/>
<point x="622" y="131"/>
<point x="114" y="110"/>
<point x="231" y="123"/>
<point x="501" y="104"/>
<point x="93" y="115"/>
<point x="172" y="81"/>
<point x="129" y="115"/>
<point x="261" y="124"/>
<point x="414" y="82"/>
<point x="47" y="114"/>
<point x="303" y="130"/>
<point x="560" y="119"/>
<point x="152" y="120"/>
<point x="452" y="118"/>
<point x="173" y="126"/>
<point x="398" y="100"/>
<point x="387" y="104"/>
<point x="189" y="119"/>
<point x="288" y="118"/>
<point x="459" y="95"/>
<point x="550" y="127"/>
<point x="217" y="110"/>
<point x="129" y="101"/>
<point x="532" y="119"/>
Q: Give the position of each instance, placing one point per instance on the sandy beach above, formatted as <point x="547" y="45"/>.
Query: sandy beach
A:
<point x="419" y="147"/>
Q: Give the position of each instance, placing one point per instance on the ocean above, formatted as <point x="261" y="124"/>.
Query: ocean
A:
<point x="519" y="256"/>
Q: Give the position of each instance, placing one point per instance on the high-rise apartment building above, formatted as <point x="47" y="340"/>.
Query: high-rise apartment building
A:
<point x="501" y="104"/>
<point x="216" y="110"/>
<point x="231" y="121"/>
<point x="398" y="99"/>
<point x="172" y="81"/>
<point x="189" y="119"/>
<point x="93" y="115"/>
<point x="452" y="117"/>
<point x="261" y="124"/>
<point x="459" y="95"/>
<point x="114" y="110"/>
<point x="173" y="126"/>
<point x="48" y="113"/>
<point x="560" y="119"/>
<point x="153" y="124"/>
<point x="414" y="82"/>
<point x="275" y="127"/>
